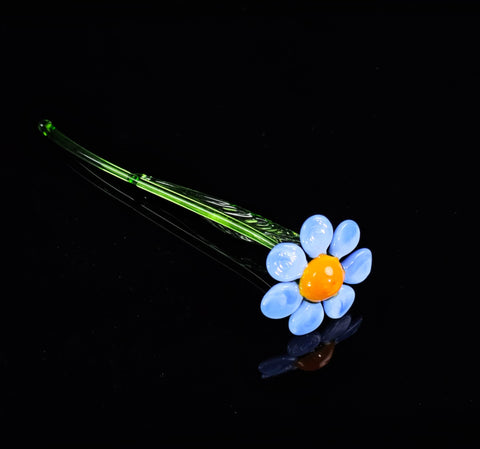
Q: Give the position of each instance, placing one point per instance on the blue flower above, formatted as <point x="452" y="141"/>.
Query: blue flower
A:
<point x="310" y="289"/>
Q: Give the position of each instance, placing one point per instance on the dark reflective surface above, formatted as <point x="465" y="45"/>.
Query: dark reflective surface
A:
<point x="114" y="331"/>
<point x="312" y="351"/>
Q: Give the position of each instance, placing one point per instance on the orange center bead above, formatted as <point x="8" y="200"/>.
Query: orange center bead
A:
<point x="322" y="278"/>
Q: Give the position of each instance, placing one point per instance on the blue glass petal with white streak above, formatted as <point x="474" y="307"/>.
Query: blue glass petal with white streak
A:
<point x="357" y="266"/>
<point x="338" y="305"/>
<point x="286" y="262"/>
<point x="315" y="235"/>
<point x="281" y="300"/>
<point x="345" y="239"/>
<point x="306" y="318"/>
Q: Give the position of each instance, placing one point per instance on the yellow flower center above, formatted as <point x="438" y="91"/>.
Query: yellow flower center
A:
<point x="322" y="278"/>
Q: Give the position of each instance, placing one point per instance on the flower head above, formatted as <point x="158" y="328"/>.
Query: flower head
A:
<point x="310" y="289"/>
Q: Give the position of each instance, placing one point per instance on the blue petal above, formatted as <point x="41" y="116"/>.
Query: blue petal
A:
<point x="315" y="235"/>
<point x="357" y="266"/>
<point x="353" y="327"/>
<point x="306" y="318"/>
<point x="338" y="305"/>
<point x="281" y="300"/>
<point x="277" y="365"/>
<point x="345" y="239"/>
<point x="286" y="262"/>
<point x="335" y="329"/>
<point x="303" y="344"/>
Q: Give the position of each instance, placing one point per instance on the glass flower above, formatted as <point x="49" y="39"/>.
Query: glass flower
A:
<point x="309" y="289"/>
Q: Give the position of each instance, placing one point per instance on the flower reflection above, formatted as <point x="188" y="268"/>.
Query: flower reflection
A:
<point x="312" y="351"/>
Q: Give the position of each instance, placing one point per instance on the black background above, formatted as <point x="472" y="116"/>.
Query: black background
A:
<point x="113" y="331"/>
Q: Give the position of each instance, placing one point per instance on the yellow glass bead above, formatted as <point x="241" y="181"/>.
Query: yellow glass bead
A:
<point x="322" y="278"/>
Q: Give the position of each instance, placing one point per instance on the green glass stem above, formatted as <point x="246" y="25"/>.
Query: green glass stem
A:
<point x="247" y="224"/>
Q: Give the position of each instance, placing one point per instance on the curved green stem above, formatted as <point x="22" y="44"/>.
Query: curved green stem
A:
<point x="249" y="225"/>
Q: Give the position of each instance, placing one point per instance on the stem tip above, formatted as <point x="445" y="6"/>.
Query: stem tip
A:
<point x="45" y="127"/>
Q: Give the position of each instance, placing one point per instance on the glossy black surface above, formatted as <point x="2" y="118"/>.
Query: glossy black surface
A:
<point x="114" y="331"/>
